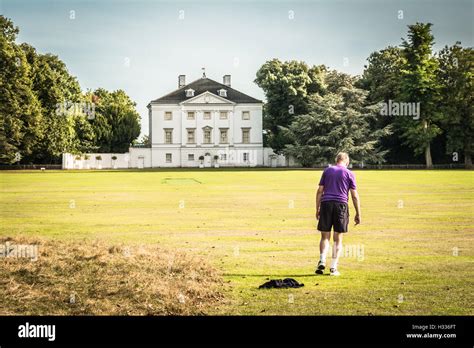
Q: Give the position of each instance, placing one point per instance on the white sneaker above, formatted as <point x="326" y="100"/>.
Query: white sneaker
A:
<point x="334" y="272"/>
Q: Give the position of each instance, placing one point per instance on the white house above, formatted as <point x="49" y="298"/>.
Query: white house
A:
<point x="208" y="120"/>
<point x="204" y="123"/>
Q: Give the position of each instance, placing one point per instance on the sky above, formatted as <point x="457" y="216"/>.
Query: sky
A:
<point x="142" y="46"/>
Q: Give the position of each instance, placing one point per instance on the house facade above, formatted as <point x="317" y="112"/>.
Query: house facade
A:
<point x="205" y="123"/>
<point x="201" y="124"/>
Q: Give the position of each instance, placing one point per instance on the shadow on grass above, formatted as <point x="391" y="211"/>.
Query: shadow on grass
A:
<point x="273" y="275"/>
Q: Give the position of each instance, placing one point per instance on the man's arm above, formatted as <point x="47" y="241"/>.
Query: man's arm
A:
<point x="356" y="202"/>
<point x="319" y="195"/>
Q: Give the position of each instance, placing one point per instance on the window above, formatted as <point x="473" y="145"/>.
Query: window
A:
<point x="168" y="115"/>
<point x="223" y="115"/>
<point x="223" y="157"/>
<point x="169" y="158"/>
<point x="190" y="93"/>
<point x="207" y="135"/>
<point x="207" y="115"/>
<point x="245" y="115"/>
<point x="223" y="138"/>
<point x="190" y="157"/>
<point x="191" y="115"/>
<point x="222" y="92"/>
<point x="246" y="156"/>
<point x="191" y="136"/>
<point x="246" y="135"/>
<point x="168" y="136"/>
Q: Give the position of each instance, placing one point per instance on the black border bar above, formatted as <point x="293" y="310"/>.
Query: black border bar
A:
<point x="245" y="330"/>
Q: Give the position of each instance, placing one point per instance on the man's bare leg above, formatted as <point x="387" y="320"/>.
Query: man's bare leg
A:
<point x="336" y="252"/>
<point x="323" y="251"/>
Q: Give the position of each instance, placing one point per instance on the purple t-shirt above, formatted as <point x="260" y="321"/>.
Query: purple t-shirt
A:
<point x="337" y="181"/>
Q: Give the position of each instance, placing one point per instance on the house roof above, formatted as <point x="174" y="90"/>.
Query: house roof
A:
<point x="200" y="86"/>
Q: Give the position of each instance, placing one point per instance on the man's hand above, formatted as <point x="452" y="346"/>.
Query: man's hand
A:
<point x="356" y="201"/>
<point x="357" y="219"/>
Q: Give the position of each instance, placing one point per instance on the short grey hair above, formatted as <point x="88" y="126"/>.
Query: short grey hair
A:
<point x="342" y="156"/>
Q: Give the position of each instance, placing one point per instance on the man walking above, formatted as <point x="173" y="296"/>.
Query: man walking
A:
<point x="332" y="209"/>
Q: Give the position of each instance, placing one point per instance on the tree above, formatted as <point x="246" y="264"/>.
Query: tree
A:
<point x="337" y="121"/>
<point x="382" y="78"/>
<point x="84" y="139"/>
<point x="20" y="115"/>
<point x="60" y="97"/>
<point x="116" y="123"/>
<point x="145" y="140"/>
<point x="43" y="112"/>
<point x="100" y="125"/>
<point x="287" y="86"/>
<point x="420" y="85"/>
<point x="456" y="76"/>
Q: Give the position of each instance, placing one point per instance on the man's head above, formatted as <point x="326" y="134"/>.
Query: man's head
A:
<point x="342" y="158"/>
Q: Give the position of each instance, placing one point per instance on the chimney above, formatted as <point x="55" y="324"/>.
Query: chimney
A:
<point x="181" y="81"/>
<point x="226" y="80"/>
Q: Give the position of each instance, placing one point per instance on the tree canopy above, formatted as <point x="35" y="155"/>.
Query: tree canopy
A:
<point x="337" y="120"/>
<point x="306" y="115"/>
<point x="287" y="86"/>
<point x="44" y="113"/>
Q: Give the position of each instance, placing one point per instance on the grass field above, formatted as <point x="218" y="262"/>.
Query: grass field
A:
<point x="413" y="253"/>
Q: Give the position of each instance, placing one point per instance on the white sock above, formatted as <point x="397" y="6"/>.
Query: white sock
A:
<point x="334" y="263"/>
<point x="322" y="257"/>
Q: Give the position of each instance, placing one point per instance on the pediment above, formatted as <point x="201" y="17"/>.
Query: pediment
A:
<point x="207" y="98"/>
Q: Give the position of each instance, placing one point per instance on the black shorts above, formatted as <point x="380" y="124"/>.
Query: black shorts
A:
<point x="335" y="214"/>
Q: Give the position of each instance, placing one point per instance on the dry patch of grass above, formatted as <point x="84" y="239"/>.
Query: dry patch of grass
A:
<point x="93" y="278"/>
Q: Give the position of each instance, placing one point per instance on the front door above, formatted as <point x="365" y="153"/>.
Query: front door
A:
<point x="207" y="160"/>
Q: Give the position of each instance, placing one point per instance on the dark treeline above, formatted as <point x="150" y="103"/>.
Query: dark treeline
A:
<point x="410" y="105"/>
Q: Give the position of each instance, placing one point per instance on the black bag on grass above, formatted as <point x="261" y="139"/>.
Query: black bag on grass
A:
<point x="281" y="284"/>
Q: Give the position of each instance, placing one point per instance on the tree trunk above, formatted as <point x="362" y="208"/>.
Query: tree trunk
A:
<point x="467" y="154"/>
<point x="429" y="161"/>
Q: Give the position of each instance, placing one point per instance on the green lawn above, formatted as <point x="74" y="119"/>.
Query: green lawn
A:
<point x="417" y="233"/>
